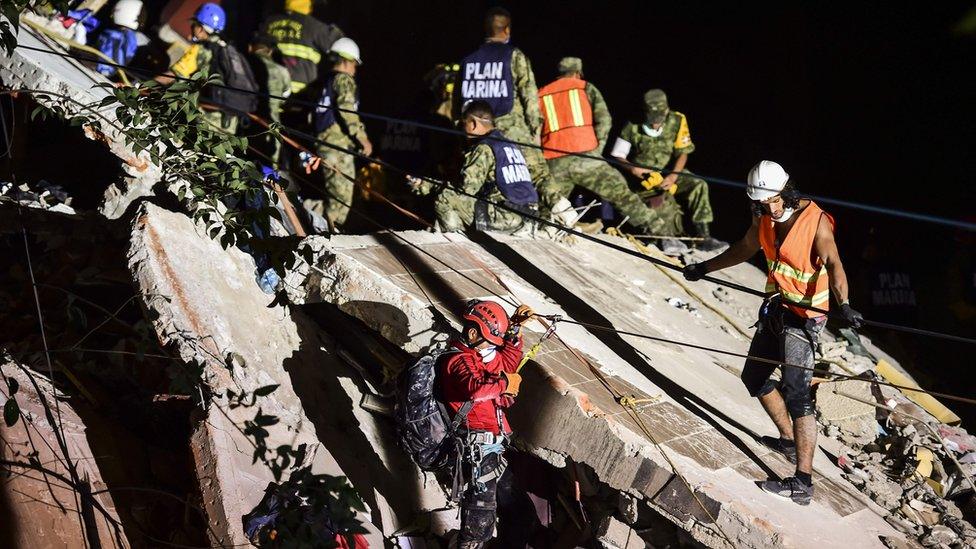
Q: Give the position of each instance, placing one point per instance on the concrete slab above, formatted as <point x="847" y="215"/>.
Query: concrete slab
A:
<point x="38" y="506"/>
<point x="206" y="305"/>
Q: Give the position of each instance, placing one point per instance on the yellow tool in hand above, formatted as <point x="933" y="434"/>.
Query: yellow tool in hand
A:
<point x="654" y="180"/>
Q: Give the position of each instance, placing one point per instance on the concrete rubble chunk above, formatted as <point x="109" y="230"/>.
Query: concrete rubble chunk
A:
<point x="613" y="534"/>
<point x="210" y="310"/>
<point x="38" y="505"/>
<point x="565" y="410"/>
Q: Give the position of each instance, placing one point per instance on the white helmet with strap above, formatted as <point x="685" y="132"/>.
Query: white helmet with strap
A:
<point x="346" y="48"/>
<point x="766" y="180"/>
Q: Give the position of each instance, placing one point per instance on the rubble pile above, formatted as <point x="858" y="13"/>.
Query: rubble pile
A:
<point x="43" y="195"/>
<point x="912" y="469"/>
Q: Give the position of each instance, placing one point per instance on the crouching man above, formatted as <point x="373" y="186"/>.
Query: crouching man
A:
<point x="483" y="370"/>
<point x="494" y="169"/>
<point x="797" y="238"/>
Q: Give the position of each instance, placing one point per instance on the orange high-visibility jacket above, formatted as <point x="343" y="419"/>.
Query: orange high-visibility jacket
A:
<point x="793" y="272"/>
<point x="567" y="118"/>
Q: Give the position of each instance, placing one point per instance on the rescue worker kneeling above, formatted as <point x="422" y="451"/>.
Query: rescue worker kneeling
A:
<point x="483" y="371"/>
<point x="494" y="169"/>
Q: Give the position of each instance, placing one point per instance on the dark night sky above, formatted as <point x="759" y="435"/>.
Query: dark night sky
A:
<point x="868" y="103"/>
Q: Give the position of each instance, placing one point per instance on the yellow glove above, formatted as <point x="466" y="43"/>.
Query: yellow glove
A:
<point x="514" y="380"/>
<point x="652" y="180"/>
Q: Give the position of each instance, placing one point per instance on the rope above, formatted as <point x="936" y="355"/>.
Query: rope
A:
<point x="709" y="278"/>
<point x="592" y="238"/>
<point x="595" y="326"/>
<point x="938" y="220"/>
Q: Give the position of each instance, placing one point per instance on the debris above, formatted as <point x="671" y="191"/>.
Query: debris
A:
<point x="939" y="535"/>
<point x="679" y="303"/>
<point x="43" y="195"/>
<point x="613" y="534"/>
<point x="931" y="405"/>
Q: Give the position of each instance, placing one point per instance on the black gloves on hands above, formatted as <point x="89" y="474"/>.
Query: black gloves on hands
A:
<point x="694" y="271"/>
<point x="848" y="317"/>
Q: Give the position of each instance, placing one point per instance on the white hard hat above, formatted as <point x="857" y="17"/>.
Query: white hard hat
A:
<point x="346" y="48"/>
<point x="126" y="13"/>
<point x="766" y="180"/>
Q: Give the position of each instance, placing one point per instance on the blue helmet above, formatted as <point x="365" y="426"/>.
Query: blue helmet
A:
<point x="211" y="16"/>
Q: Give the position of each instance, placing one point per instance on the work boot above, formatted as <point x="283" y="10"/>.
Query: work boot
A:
<point x="708" y="242"/>
<point x="790" y="487"/>
<point x="787" y="448"/>
<point x="673" y="247"/>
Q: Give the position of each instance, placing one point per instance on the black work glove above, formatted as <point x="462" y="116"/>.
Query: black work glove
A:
<point x="694" y="271"/>
<point x="849" y="318"/>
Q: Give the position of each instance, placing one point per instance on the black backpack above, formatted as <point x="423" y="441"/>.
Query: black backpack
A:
<point x="235" y="72"/>
<point x="425" y="430"/>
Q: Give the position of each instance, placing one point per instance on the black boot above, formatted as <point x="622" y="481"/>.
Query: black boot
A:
<point x="707" y="244"/>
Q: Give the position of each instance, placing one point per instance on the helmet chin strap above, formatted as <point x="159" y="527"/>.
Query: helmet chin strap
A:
<point x="787" y="214"/>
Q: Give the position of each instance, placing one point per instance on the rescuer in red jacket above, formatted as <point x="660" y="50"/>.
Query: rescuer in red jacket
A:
<point x="482" y="368"/>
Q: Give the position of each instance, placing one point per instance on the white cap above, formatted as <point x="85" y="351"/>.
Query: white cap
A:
<point x="347" y="49"/>
<point x="766" y="180"/>
<point x="126" y="13"/>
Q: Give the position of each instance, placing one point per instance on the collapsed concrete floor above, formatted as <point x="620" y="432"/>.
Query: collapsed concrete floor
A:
<point x="186" y="329"/>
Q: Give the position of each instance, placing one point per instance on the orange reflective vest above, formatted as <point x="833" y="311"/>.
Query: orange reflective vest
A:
<point x="567" y="118"/>
<point x="793" y="272"/>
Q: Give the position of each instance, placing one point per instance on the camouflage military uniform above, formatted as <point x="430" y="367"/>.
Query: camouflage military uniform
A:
<point x="657" y="152"/>
<point x="344" y="134"/>
<point x="455" y="211"/>
<point x="277" y="83"/>
<point x="196" y="59"/>
<point x="600" y="177"/>
<point x="523" y="123"/>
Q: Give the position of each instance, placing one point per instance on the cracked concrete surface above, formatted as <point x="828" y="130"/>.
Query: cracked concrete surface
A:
<point x="697" y="411"/>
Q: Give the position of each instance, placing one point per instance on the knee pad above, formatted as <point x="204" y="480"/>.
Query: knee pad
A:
<point x="799" y="405"/>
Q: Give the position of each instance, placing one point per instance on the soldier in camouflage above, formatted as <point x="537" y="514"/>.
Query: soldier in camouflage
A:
<point x="274" y="80"/>
<point x="197" y="59"/>
<point x="520" y="119"/>
<point x="664" y="136"/>
<point x="488" y="163"/>
<point x="597" y="175"/>
<point x="337" y="123"/>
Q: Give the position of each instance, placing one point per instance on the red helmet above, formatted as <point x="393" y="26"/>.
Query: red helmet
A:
<point x="490" y="318"/>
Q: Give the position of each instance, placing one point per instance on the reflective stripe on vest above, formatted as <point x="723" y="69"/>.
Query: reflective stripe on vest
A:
<point x="792" y="272"/>
<point x="297" y="86"/>
<point x="567" y="118"/>
<point x="300" y="51"/>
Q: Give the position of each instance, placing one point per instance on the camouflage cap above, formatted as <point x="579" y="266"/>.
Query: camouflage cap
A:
<point x="655" y="105"/>
<point x="570" y="64"/>
<point x="656" y="100"/>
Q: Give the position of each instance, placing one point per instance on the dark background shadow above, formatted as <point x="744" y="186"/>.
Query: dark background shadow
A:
<point x="315" y="372"/>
